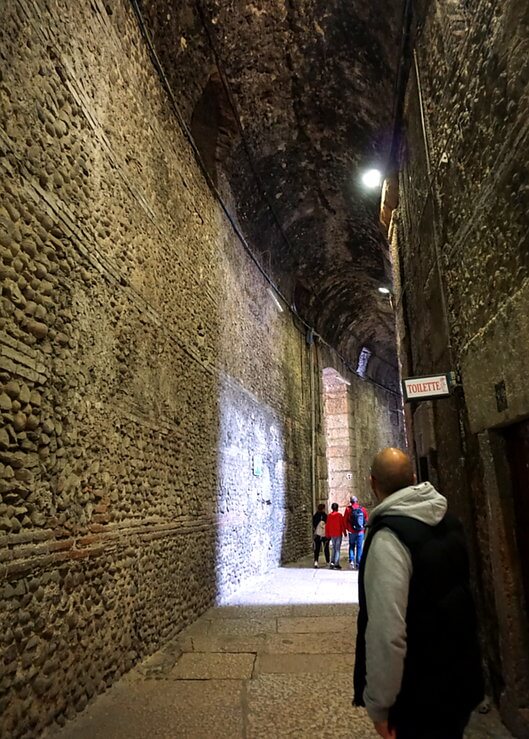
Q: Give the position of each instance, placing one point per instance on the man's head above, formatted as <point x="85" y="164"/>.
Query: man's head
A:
<point x="353" y="499"/>
<point x="334" y="506"/>
<point x="321" y="507"/>
<point x="392" y="470"/>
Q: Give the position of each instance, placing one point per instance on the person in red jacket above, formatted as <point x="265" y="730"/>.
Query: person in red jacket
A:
<point x="334" y="530"/>
<point x="355" y="521"/>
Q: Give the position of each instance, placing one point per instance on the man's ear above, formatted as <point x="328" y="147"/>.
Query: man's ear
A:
<point x="374" y="487"/>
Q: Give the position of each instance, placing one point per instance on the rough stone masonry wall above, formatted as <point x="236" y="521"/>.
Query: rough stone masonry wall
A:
<point x="472" y="222"/>
<point x="145" y="372"/>
<point x="143" y="365"/>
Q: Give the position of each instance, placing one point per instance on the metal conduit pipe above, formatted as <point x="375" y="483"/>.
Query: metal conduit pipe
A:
<point x="429" y="172"/>
<point x="423" y="120"/>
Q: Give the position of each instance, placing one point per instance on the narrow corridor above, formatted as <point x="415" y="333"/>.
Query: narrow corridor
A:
<point x="231" y="234"/>
<point x="276" y="662"/>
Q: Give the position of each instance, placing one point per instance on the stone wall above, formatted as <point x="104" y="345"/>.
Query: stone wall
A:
<point x="156" y="441"/>
<point x="338" y="423"/>
<point x="359" y="419"/>
<point x="144" y="368"/>
<point x="462" y="236"/>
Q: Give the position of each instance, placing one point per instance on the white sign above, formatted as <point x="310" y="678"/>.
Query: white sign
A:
<point x="257" y="465"/>
<point x="431" y="386"/>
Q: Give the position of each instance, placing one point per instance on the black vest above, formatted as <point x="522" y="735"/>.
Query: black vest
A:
<point x="442" y="668"/>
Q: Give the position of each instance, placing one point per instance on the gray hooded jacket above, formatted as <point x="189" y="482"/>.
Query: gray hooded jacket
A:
<point x="387" y="578"/>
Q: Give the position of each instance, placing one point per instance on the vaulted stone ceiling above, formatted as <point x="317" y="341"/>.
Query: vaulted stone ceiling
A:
<point x="288" y="102"/>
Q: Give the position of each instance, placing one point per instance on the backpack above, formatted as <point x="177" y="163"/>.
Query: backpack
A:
<point x="357" y="519"/>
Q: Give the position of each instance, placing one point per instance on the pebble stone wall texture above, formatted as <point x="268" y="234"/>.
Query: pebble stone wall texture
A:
<point x="145" y="373"/>
<point x="463" y="215"/>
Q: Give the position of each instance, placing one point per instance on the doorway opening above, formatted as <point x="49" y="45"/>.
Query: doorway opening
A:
<point x="517" y="437"/>
<point x="338" y="426"/>
<point x="423" y="469"/>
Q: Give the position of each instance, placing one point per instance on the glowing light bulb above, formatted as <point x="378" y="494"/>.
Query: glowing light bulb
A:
<point x="372" y="178"/>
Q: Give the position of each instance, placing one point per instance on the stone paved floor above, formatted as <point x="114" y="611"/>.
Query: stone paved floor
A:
<point x="275" y="662"/>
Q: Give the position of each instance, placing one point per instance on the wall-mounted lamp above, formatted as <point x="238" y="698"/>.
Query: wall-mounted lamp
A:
<point x="372" y="179"/>
<point x="384" y="291"/>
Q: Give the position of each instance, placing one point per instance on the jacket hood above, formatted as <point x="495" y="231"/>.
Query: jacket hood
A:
<point x="421" y="502"/>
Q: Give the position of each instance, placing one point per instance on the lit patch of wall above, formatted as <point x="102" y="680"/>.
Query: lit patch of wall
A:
<point x="252" y="490"/>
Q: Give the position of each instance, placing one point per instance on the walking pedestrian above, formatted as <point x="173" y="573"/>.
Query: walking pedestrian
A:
<point x="335" y="530"/>
<point x="356" y="517"/>
<point x="418" y="668"/>
<point x="318" y="526"/>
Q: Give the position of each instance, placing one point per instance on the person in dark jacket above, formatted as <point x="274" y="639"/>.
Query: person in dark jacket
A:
<point x="418" y="666"/>
<point x="318" y="526"/>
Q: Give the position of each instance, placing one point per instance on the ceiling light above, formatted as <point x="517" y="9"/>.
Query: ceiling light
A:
<point x="384" y="290"/>
<point x="372" y="178"/>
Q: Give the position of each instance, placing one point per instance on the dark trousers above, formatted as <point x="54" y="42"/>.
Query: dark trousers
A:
<point x="318" y="541"/>
<point x="434" y="728"/>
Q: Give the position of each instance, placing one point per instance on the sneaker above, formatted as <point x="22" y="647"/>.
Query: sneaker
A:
<point x="316" y="565"/>
<point x="352" y="565"/>
<point x="331" y="566"/>
<point x="337" y="567"/>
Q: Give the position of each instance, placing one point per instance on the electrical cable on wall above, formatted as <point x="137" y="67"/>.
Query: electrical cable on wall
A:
<point x="185" y="129"/>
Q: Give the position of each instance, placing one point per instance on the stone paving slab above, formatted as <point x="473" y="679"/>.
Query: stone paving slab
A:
<point x="197" y="666"/>
<point x="185" y="641"/>
<point x="242" y="627"/>
<point x="326" y="609"/>
<point x="305" y="706"/>
<point x="159" y="664"/>
<point x="233" y="644"/>
<point x="162" y="710"/>
<point x="314" y="624"/>
<point x="313" y="643"/>
<point x="286" y="664"/>
<point x="247" y="612"/>
<point x="487" y="726"/>
<point x="201" y="626"/>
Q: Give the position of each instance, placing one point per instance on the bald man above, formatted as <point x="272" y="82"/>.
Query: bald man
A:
<point x="418" y="666"/>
